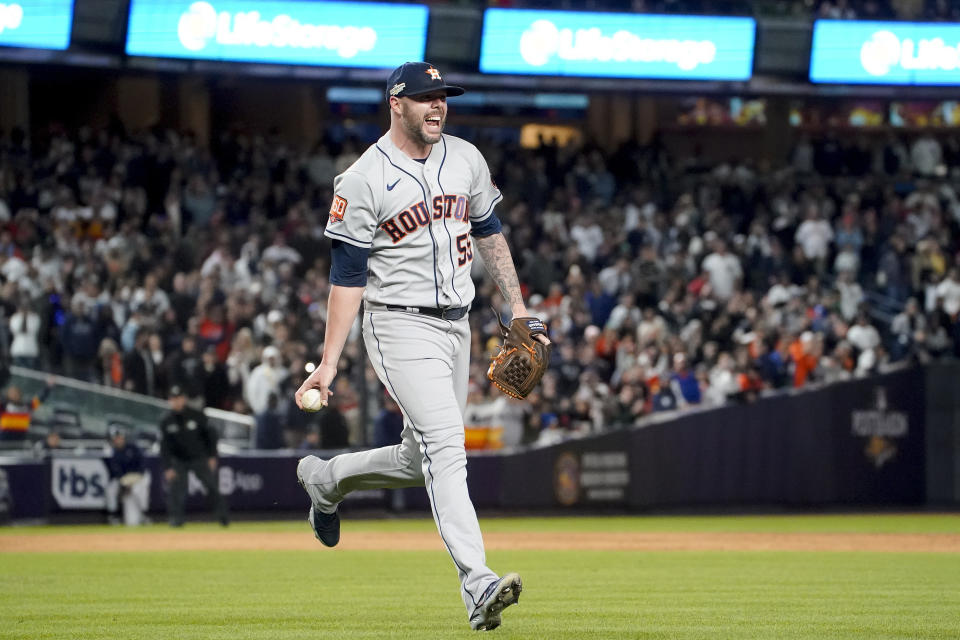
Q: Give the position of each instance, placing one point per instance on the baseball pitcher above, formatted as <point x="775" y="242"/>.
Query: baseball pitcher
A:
<point x="405" y="222"/>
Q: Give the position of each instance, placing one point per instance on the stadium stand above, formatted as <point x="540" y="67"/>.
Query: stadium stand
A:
<point x="667" y="281"/>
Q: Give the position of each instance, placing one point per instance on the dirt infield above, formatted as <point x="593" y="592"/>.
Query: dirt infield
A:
<point x="186" y="540"/>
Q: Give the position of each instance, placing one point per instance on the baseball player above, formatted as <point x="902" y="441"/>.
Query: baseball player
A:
<point x="405" y="222"/>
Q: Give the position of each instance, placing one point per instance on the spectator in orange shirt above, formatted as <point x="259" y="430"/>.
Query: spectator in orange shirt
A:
<point x="805" y="352"/>
<point x="15" y="413"/>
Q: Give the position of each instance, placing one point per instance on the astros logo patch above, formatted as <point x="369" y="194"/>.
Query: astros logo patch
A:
<point x="433" y="73"/>
<point x="337" y="208"/>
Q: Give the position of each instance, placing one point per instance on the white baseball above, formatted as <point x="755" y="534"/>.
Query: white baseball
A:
<point x="311" y="400"/>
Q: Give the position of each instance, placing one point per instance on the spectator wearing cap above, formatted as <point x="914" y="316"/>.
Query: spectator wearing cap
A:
<point x="129" y="483"/>
<point x="188" y="443"/>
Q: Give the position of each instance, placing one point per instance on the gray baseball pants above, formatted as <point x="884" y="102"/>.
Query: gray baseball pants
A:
<point x="424" y="363"/>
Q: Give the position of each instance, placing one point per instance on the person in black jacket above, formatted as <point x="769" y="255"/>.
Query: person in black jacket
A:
<point x="139" y="370"/>
<point x="188" y="444"/>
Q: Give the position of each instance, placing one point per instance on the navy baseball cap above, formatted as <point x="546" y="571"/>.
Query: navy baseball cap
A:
<point x="417" y="78"/>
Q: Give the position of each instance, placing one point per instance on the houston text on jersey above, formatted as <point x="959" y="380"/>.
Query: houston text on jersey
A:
<point x="417" y="216"/>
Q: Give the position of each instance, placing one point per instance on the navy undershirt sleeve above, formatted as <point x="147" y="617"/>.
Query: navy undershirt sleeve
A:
<point x="487" y="227"/>
<point x="348" y="265"/>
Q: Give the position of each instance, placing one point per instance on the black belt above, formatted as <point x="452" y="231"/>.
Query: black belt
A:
<point x="450" y="313"/>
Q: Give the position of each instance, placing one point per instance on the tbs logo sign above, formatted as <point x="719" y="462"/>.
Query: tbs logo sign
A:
<point x="79" y="483"/>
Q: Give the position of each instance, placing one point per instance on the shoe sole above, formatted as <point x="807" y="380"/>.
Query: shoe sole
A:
<point x="508" y="593"/>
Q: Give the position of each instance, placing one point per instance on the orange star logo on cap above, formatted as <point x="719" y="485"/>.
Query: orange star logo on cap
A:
<point x="433" y="73"/>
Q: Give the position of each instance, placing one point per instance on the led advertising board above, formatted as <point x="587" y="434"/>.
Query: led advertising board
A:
<point x="567" y="43"/>
<point x="342" y="34"/>
<point x="36" y="24"/>
<point x="917" y="53"/>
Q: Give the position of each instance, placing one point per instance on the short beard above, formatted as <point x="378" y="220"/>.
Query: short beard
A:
<point x="415" y="129"/>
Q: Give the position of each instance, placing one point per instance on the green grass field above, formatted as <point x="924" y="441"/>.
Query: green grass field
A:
<point x="279" y="595"/>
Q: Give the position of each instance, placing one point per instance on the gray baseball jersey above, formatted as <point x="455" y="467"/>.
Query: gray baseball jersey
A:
<point x="416" y="220"/>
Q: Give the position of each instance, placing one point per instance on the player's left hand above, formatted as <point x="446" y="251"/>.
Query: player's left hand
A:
<point x="522" y="359"/>
<point x="521" y="312"/>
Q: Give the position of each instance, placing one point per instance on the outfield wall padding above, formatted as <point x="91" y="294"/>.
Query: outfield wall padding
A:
<point x="861" y="443"/>
<point x="855" y="443"/>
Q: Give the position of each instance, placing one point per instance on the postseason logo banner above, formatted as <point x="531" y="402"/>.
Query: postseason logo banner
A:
<point x="566" y="43"/>
<point x="911" y="53"/>
<point x="342" y="34"/>
<point x="36" y="24"/>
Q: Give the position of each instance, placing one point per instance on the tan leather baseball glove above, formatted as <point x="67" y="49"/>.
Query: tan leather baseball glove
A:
<point x="522" y="360"/>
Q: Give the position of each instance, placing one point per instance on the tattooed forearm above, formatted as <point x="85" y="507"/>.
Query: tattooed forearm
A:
<point x="499" y="264"/>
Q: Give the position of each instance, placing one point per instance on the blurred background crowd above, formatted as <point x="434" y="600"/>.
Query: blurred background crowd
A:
<point x="831" y="9"/>
<point x="136" y="260"/>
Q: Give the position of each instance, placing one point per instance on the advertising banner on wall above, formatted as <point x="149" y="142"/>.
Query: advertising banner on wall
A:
<point x="79" y="483"/>
<point x="568" y="43"/>
<point x="342" y="34"/>
<point x="907" y="53"/>
<point x="36" y="24"/>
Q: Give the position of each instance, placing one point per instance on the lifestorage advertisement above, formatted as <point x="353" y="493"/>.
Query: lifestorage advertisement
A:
<point x="901" y="53"/>
<point x="345" y="34"/>
<point x="36" y="24"/>
<point x="568" y="43"/>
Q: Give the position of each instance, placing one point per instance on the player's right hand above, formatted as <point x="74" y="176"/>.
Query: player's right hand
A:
<point x="321" y="379"/>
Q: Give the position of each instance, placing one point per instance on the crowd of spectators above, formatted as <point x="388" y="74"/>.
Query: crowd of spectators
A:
<point x="932" y="10"/>
<point x="672" y="282"/>
<point x="935" y="10"/>
<point x="140" y="260"/>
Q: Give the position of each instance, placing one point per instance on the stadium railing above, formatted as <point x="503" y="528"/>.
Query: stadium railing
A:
<point x="82" y="411"/>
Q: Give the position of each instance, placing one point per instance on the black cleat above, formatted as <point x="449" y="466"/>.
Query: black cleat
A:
<point x="326" y="526"/>
<point x="498" y="596"/>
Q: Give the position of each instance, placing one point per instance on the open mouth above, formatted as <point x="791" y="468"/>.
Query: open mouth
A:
<point x="433" y="122"/>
